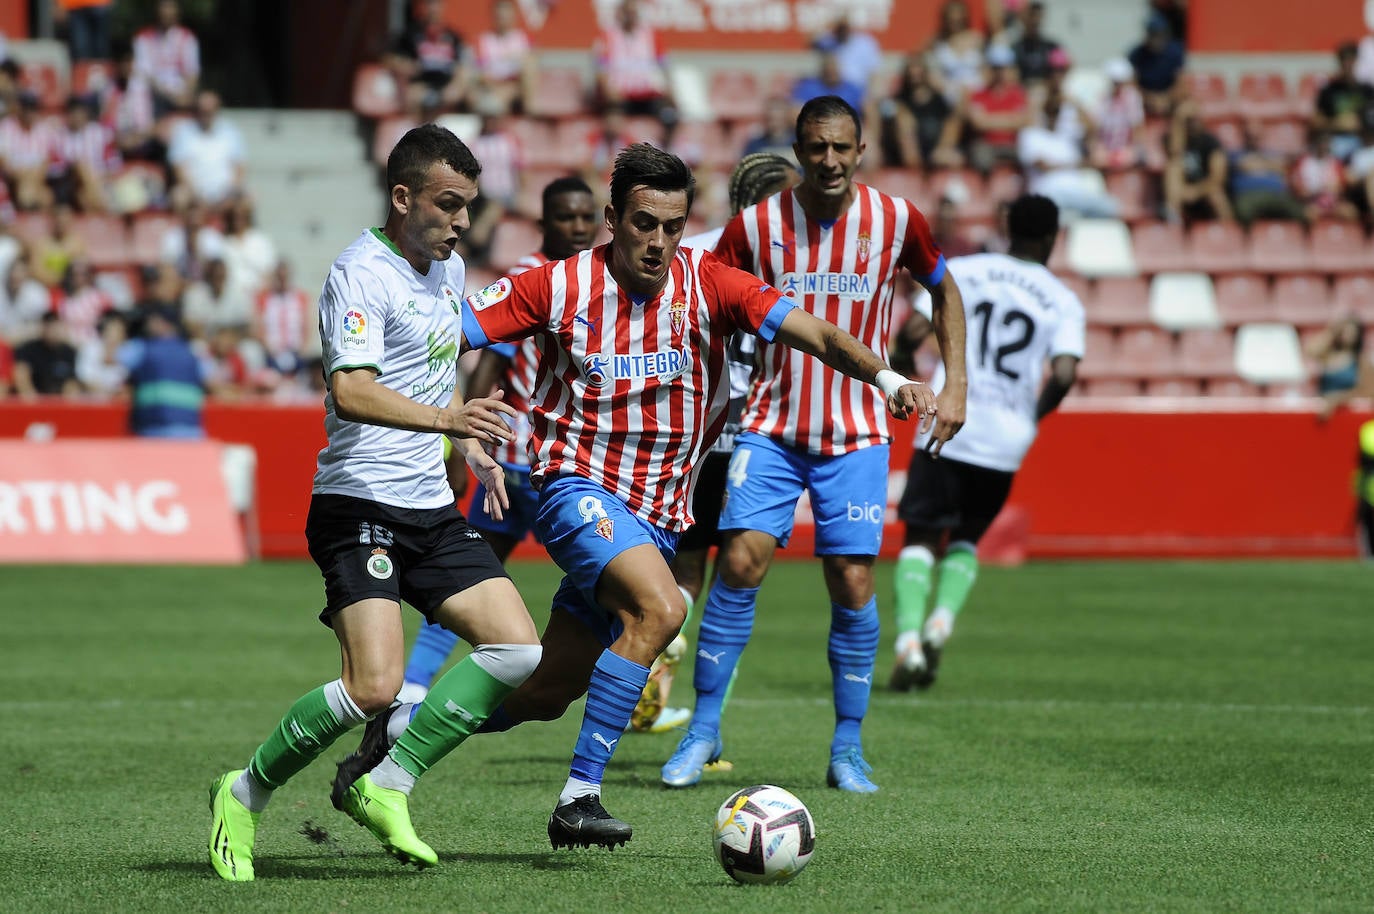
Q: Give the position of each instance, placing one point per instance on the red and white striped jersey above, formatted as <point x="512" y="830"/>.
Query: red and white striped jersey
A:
<point x="130" y="109"/>
<point x="285" y="320"/>
<point x="519" y="379"/>
<point x="502" y="57"/>
<point x="25" y="149"/>
<point x="81" y="311"/>
<point x="632" y="62"/>
<point x="168" y="60"/>
<point x="630" y="392"/>
<point x="92" y="145"/>
<point x="842" y="273"/>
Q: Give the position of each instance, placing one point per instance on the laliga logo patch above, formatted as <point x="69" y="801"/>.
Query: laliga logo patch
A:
<point x="497" y="292"/>
<point x="594" y="370"/>
<point x="355" y="328"/>
<point x="379" y="565"/>
<point x="678" y="314"/>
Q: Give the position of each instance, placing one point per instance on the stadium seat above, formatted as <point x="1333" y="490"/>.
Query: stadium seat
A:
<point x="1244" y="298"/>
<point x="1305" y="98"/>
<point x="1264" y="95"/>
<point x="1004" y="185"/>
<point x="1303" y="300"/>
<point x="1143" y="352"/>
<point x="1340" y="247"/>
<point x="735" y="95"/>
<point x="1183" y="301"/>
<point x="1211" y="94"/>
<point x="1173" y="387"/>
<point x="1288" y="138"/>
<point x="1113" y="387"/>
<point x="375" y="92"/>
<point x="978" y="204"/>
<point x="1233" y="387"/>
<point x="1099" y="345"/>
<point x="703" y="144"/>
<point x="386" y="136"/>
<point x="1130" y="189"/>
<point x="1206" y="354"/>
<point x="1278" y="247"/>
<point x="32" y="226"/>
<point x="1269" y="354"/>
<point x="1100" y="247"/>
<point x="107" y="242"/>
<point x="1120" y="301"/>
<point x="514" y="238"/>
<point x="1218" y="247"/>
<point x="558" y="92"/>
<point x="1159" y="246"/>
<point x="1354" y="295"/>
<point x="907" y="183"/>
<point x="537" y="139"/>
<point x="145" y="241"/>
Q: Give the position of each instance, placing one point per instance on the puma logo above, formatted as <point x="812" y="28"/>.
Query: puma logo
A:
<point x="609" y="744"/>
<point x="707" y="655"/>
<point x="866" y="680"/>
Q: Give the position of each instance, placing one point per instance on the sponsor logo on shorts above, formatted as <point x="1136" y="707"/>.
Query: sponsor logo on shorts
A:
<point x="379" y="565"/>
<point x="865" y="512"/>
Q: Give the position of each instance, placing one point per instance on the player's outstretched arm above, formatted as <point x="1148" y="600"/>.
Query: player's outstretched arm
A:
<point x="359" y="397"/>
<point x="844" y="353"/>
<point x="1063" y="374"/>
<point x="947" y="314"/>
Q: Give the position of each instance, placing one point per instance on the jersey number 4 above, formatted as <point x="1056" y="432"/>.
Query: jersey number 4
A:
<point x="1021" y="338"/>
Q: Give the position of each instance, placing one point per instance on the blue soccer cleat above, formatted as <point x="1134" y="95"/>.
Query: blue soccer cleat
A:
<point x="693" y="754"/>
<point x="848" y="771"/>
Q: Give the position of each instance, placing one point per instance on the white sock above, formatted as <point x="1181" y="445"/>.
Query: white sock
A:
<point x="250" y="793"/>
<point x="577" y="787"/>
<point x="392" y="776"/>
<point x="939" y="627"/>
<point x="343" y="705"/>
<point x="398" y="721"/>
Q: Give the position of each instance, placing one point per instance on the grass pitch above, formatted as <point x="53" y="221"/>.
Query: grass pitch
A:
<point x="1103" y="737"/>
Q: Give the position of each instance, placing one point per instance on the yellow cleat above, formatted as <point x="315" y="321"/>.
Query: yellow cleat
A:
<point x="232" y="830"/>
<point x="386" y="813"/>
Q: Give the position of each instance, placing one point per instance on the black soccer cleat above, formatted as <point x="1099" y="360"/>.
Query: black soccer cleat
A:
<point x="585" y="822"/>
<point x="926" y="678"/>
<point x="367" y="756"/>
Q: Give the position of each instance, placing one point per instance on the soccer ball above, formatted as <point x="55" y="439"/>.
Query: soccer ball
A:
<point x="763" y="835"/>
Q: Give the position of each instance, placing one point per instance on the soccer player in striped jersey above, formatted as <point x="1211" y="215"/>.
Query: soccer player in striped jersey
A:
<point x="1023" y="317"/>
<point x="569" y="223"/>
<point x="755" y="177"/>
<point x="382" y="525"/>
<point x="632" y="389"/>
<point x="835" y="245"/>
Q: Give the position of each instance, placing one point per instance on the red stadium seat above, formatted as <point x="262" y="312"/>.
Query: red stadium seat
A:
<point x="1173" y="387"/>
<point x="735" y="95"/>
<point x="1120" y="301"/>
<point x="145" y="242"/>
<point x="530" y="202"/>
<point x="1211" y="94"/>
<point x="1340" y="247"/>
<point x="559" y="93"/>
<point x="1244" y="298"/>
<point x="1143" y="352"/>
<point x="387" y="134"/>
<point x="514" y="239"/>
<point x="703" y="143"/>
<point x="1206" y="354"/>
<point x="1304" y="300"/>
<point x="1099" y="352"/>
<point x="1233" y="387"/>
<point x="1004" y="185"/>
<point x="1218" y="247"/>
<point x="1130" y="189"/>
<point x="978" y="205"/>
<point x="537" y="141"/>
<point x="1287" y="138"/>
<point x="907" y="183"/>
<point x="1279" y="247"/>
<point x="1264" y="95"/>
<point x="1159" y="247"/>
<point x="107" y="242"/>
<point x="32" y="226"/>
<point x="1354" y="295"/>
<point x="1112" y="387"/>
<point x="375" y="92"/>
<point x="1305" y="99"/>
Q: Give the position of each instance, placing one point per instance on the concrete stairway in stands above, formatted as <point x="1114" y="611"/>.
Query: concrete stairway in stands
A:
<point x="314" y="187"/>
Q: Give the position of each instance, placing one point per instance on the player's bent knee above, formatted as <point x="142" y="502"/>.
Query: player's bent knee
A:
<point x="373" y="694"/>
<point x="511" y="664"/>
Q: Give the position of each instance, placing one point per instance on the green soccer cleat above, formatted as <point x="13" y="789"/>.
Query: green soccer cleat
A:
<point x="232" y="829"/>
<point x="386" y="813"/>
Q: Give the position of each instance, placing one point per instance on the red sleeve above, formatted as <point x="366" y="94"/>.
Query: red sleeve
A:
<point x="509" y="309"/>
<point x="920" y="254"/>
<point x="746" y="301"/>
<point x="733" y="246"/>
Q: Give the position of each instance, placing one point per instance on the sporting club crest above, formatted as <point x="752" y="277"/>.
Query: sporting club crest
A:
<point x="678" y="314"/>
<point x="862" y="243"/>
<point x="605" y="529"/>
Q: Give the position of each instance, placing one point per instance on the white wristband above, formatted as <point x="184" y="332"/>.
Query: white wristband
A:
<point x="890" y="381"/>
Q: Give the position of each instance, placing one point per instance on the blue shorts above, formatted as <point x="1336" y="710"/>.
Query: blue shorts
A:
<point x="583" y="527"/>
<point x="524" y="505"/>
<point x="848" y="493"/>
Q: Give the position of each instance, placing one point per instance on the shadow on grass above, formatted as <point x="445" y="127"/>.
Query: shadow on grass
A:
<point x="359" y="866"/>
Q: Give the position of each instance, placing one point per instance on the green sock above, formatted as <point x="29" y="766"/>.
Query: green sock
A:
<point x="912" y="581"/>
<point x="455" y="707"/>
<point x="958" y="571"/>
<point x="309" y="728"/>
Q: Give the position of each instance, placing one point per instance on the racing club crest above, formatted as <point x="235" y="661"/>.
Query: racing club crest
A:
<point x="678" y="314"/>
<point x="605" y="528"/>
<point x="862" y="243"/>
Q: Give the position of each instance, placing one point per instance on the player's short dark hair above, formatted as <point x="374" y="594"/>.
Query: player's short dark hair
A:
<point x="645" y="165"/>
<point x="569" y="184"/>
<point x="1033" y="217"/>
<point x="825" y="107"/>
<point x="755" y="174"/>
<point x="1347" y="50"/>
<point x="422" y="147"/>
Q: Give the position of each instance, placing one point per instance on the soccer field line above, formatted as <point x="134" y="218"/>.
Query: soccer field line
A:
<point x="880" y="699"/>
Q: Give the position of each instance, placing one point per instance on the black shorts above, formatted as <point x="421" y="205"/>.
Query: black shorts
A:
<point x="707" y="498"/>
<point x="366" y="550"/>
<point x="943" y="494"/>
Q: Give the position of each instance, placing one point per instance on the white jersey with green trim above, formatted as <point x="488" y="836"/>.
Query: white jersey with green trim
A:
<point x="377" y="311"/>
<point x="1018" y="315"/>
